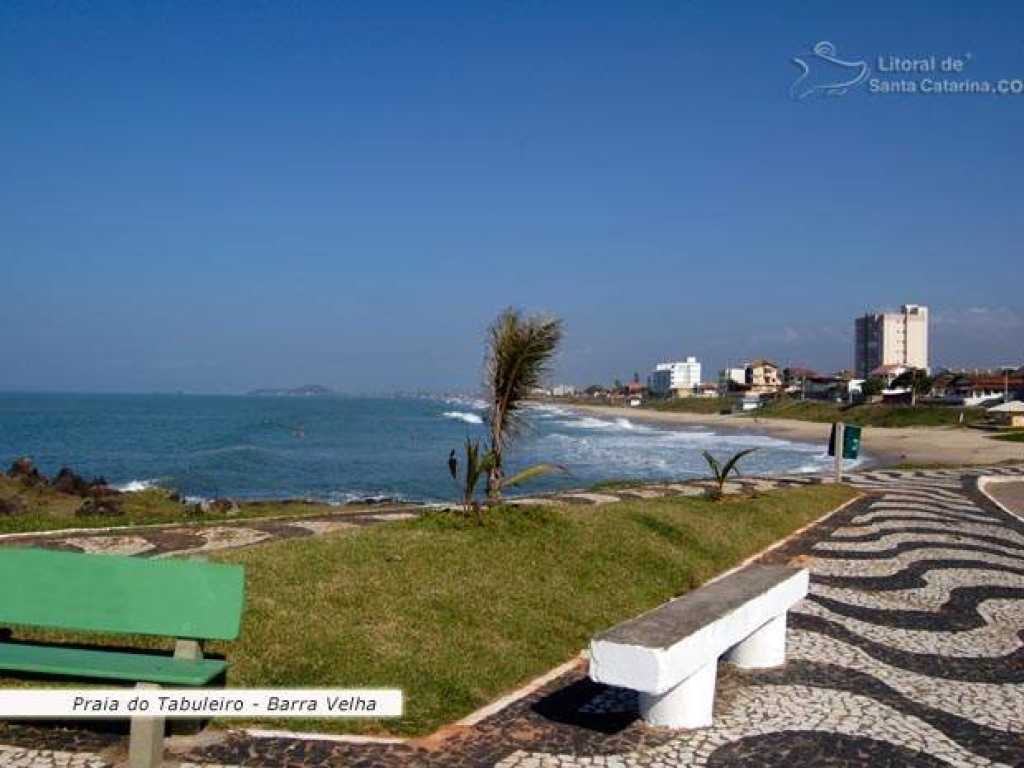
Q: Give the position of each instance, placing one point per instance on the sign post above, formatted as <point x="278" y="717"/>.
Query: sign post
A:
<point x="837" y="449"/>
<point x="843" y="443"/>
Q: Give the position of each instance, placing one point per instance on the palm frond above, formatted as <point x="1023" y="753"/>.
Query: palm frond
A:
<point x="519" y="351"/>
<point x="713" y="463"/>
<point x="537" y="470"/>
<point x="730" y="465"/>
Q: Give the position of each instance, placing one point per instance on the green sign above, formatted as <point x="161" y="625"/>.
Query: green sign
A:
<point x="851" y="441"/>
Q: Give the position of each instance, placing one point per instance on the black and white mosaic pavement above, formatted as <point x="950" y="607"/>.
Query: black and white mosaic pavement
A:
<point x="909" y="651"/>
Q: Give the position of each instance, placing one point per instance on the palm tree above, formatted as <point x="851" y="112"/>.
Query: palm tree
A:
<point x="519" y="351"/>
<point x="477" y="465"/>
<point x="721" y="472"/>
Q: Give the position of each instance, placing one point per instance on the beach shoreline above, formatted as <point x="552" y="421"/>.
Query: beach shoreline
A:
<point x="881" y="446"/>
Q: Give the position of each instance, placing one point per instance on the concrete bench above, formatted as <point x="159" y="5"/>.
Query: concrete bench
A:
<point x="187" y="600"/>
<point x="670" y="655"/>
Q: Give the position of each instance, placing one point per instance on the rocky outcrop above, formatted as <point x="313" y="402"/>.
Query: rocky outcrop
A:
<point x="70" y="482"/>
<point x="26" y="472"/>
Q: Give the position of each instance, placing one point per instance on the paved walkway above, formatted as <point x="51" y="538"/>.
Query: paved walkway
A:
<point x="907" y="652"/>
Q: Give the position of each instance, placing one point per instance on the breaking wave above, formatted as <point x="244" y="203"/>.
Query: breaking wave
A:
<point x="469" y="418"/>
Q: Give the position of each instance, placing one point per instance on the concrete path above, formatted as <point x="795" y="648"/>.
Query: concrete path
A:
<point x="907" y="652"/>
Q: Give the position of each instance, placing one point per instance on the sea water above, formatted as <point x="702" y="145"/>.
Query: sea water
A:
<point x="347" y="448"/>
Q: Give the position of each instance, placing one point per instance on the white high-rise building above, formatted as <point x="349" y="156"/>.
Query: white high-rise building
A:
<point x="680" y="377"/>
<point x="891" y="338"/>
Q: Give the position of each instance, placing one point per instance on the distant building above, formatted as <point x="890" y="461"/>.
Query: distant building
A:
<point x="762" y="376"/>
<point x="731" y="380"/>
<point x="794" y="376"/>
<point x="706" y="389"/>
<point x="887" y="373"/>
<point x="978" y="387"/>
<point x="891" y="338"/>
<point x="563" y="390"/>
<point x="675" y="378"/>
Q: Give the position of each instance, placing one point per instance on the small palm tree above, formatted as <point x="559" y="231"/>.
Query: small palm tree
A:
<point x="475" y="467"/>
<point x="478" y="465"/>
<point x="721" y="472"/>
<point x="519" y="351"/>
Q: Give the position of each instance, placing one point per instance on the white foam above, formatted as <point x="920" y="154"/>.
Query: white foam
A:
<point x="135" y="486"/>
<point x="469" y="418"/>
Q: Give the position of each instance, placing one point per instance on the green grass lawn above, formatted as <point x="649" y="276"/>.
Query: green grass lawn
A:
<point x="869" y="415"/>
<point x="46" y="510"/>
<point x="688" y="405"/>
<point x="1011" y="436"/>
<point x="456" y="614"/>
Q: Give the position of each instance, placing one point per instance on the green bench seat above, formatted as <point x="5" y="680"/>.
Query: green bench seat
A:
<point x="187" y="600"/>
<point x="108" y="665"/>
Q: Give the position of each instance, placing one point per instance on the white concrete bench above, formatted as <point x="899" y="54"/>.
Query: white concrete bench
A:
<point x="670" y="655"/>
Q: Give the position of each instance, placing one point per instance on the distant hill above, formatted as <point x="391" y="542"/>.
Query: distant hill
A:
<point x="307" y="390"/>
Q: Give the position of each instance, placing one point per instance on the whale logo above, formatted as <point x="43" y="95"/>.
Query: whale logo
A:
<point x="822" y="73"/>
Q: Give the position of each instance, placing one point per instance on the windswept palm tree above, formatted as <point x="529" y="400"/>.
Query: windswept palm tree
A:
<point x="519" y="351"/>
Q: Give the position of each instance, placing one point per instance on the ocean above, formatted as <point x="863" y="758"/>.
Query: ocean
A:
<point x="343" y="449"/>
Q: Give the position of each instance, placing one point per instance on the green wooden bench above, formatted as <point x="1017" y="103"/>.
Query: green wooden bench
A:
<point x="188" y="600"/>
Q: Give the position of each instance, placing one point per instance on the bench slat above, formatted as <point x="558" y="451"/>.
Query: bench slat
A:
<point x="671" y="622"/>
<point x="108" y="665"/>
<point x="657" y="650"/>
<point x="125" y="595"/>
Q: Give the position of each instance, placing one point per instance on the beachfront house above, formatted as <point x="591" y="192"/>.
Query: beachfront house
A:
<point x="978" y="387"/>
<point x="1013" y="411"/>
<point x="762" y="377"/>
<point x="675" y="379"/>
<point x="705" y="389"/>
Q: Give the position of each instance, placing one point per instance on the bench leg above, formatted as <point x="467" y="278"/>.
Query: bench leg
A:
<point x="766" y="647"/>
<point x="688" y="705"/>
<point x="191" y="650"/>
<point x="146" y="742"/>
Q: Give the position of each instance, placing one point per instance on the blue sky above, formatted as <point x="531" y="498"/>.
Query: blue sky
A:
<point x="217" y="196"/>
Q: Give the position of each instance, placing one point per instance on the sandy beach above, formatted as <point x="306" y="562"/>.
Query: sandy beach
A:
<point x="882" y="446"/>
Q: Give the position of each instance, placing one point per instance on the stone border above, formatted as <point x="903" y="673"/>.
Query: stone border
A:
<point x="200" y="523"/>
<point x="986" y="480"/>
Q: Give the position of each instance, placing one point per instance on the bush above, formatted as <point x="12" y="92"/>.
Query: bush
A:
<point x="99" y="508"/>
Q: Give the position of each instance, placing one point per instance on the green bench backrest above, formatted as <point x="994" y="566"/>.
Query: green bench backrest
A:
<point x="125" y="595"/>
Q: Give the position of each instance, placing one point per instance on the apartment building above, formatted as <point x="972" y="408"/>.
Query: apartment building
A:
<point x="891" y="339"/>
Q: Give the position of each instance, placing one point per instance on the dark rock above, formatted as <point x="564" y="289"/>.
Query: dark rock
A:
<point x="223" y="507"/>
<point x="72" y="483"/>
<point x="93" y="507"/>
<point x="23" y="470"/>
<point x="98" y="489"/>
<point x="67" y="481"/>
<point x="10" y="507"/>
